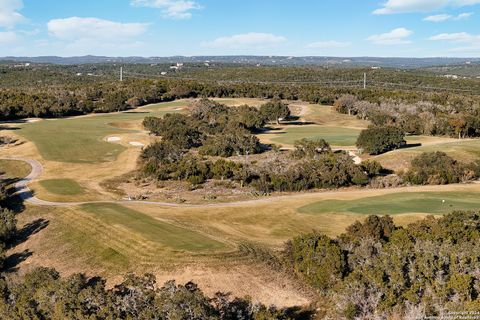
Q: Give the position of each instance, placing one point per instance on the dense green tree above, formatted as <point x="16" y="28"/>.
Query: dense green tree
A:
<point x="232" y="141"/>
<point x="250" y="118"/>
<point x="439" y="168"/>
<point x="319" y="259"/>
<point x="372" y="167"/>
<point x="376" y="140"/>
<point x="175" y="128"/>
<point x="275" y="110"/>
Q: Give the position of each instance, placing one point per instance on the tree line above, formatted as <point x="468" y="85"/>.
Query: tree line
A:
<point x="455" y="116"/>
<point x="50" y="91"/>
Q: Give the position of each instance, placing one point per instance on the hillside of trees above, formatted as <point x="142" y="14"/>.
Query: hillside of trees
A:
<point x="377" y="270"/>
<point x="55" y="91"/>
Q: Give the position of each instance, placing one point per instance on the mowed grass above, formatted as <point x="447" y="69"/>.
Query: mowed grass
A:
<point x="81" y="139"/>
<point x="152" y="229"/>
<point x="63" y="187"/>
<point x="399" y="203"/>
<point x="336" y="136"/>
<point x="462" y="150"/>
<point x="13" y="169"/>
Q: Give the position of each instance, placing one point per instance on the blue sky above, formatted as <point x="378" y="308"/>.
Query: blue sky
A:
<point x="402" y="28"/>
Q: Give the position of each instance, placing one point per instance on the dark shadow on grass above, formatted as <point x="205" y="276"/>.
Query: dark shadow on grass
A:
<point x="9" y="128"/>
<point x="15" y="204"/>
<point x="410" y="145"/>
<point x="136" y="112"/>
<point x="29" y="230"/>
<point x="267" y="129"/>
<point x="14" y="260"/>
<point x="298" y="313"/>
<point x="298" y="123"/>
<point x="17" y="121"/>
<point x="94" y="281"/>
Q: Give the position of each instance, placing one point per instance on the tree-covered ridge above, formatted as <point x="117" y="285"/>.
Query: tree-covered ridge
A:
<point x="55" y="91"/>
<point x="379" y="270"/>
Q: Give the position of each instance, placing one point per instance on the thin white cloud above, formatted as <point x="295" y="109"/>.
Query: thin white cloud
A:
<point x="394" y="37"/>
<point x="76" y="28"/>
<point x="9" y="15"/>
<point x="328" y="44"/>
<point x="405" y="6"/>
<point x="456" y="37"/>
<point x="247" y="40"/>
<point x="438" y="18"/>
<point x="175" y="9"/>
<point x="463" y="16"/>
<point x="445" y="17"/>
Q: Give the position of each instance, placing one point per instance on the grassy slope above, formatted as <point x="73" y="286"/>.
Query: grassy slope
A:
<point x="462" y="150"/>
<point x="12" y="169"/>
<point x="152" y="229"/>
<point x="80" y="140"/>
<point x="399" y="203"/>
<point x="64" y="187"/>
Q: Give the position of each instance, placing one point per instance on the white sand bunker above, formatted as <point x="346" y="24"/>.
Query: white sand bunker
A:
<point x="137" y="144"/>
<point x="113" y="139"/>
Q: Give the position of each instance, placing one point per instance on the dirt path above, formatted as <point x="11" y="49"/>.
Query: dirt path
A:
<point x="27" y="195"/>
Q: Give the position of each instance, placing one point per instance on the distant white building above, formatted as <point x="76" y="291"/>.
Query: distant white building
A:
<point x="177" y="66"/>
<point x="451" y="76"/>
<point x="21" y="65"/>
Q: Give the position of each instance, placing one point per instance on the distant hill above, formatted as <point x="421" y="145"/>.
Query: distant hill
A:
<point x="263" y="60"/>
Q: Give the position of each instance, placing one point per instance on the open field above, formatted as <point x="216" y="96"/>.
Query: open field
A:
<point x="336" y="136"/>
<point x="82" y="139"/>
<point x="316" y="122"/>
<point x="151" y="229"/>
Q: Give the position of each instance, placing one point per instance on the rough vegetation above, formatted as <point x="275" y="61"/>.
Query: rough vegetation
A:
<point x="439" y="168"/>
<point x="213" y="129"/>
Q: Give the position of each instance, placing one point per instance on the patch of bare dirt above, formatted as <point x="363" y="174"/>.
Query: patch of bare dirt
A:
<point x="183" y="192"/>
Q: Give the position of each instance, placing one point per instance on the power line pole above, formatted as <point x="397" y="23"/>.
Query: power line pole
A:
<point x="121" y="73"/>
<point x="364" y="80"/>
